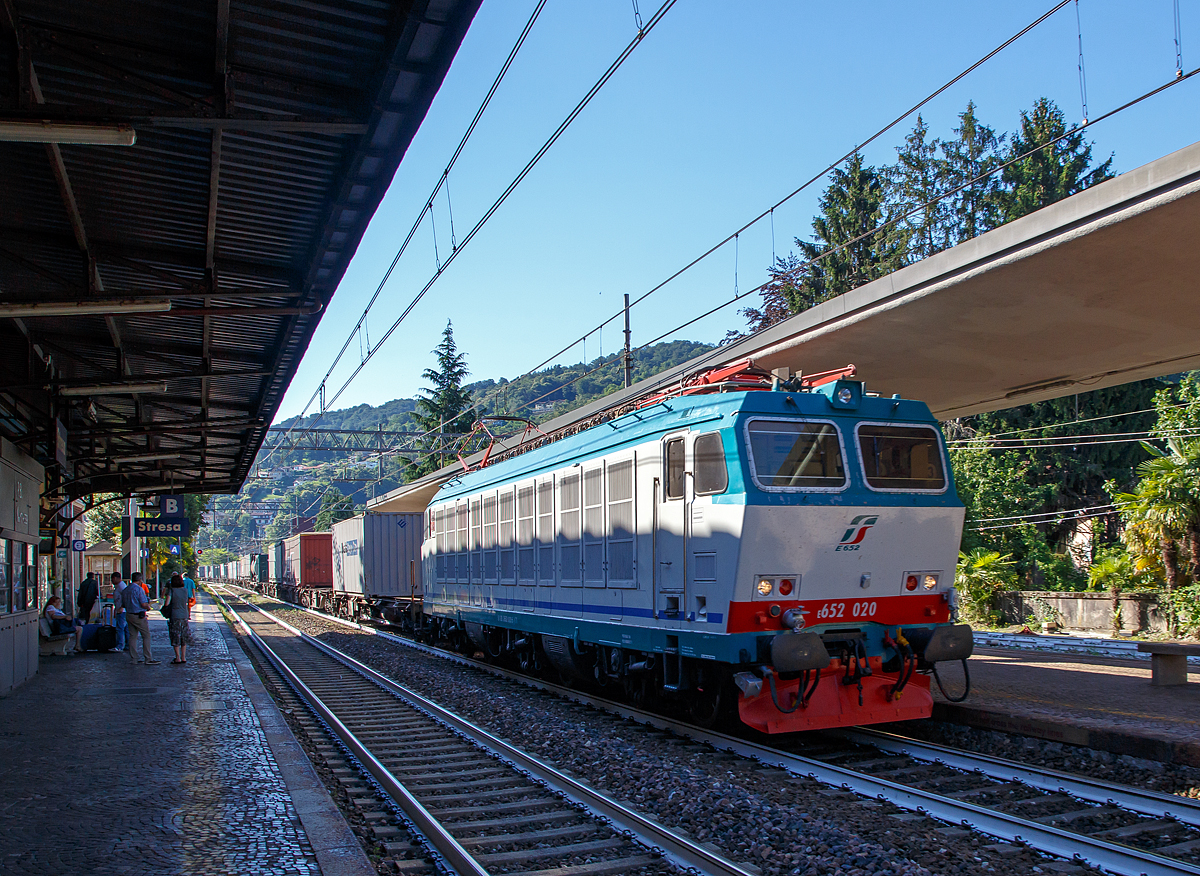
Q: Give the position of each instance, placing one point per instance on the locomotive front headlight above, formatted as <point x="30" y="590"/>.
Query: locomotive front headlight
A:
<point x="765" y="586"/>
<point x="911" y="583"/>
<point x="845" y="395"/>
<point x="785" y="587"/>
<point x="931" y="582"/>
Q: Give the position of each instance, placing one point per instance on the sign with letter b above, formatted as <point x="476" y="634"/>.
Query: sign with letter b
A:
<point x="170" y="506"/>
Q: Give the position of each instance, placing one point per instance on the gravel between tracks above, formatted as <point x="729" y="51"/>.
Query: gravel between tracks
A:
<point x="780" y="823"/>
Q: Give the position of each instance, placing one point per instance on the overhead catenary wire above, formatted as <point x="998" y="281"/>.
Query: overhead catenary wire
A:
<point x="442" y="181"/>
<point x="566" y="123"/>
<point x="769" y="213"/>
<point x="897" y="219"/>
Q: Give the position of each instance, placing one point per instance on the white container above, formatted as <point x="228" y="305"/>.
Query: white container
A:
<point x="378" y="555"/>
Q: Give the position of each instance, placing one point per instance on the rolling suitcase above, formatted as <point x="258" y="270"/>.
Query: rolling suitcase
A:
<point x="99" y="637"/>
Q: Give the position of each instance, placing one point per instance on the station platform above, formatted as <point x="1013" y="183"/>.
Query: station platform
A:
<point x="112" y="767"/>
<point x="1105" y="703"/>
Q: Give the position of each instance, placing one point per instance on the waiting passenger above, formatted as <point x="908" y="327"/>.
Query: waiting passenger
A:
<point x="178" y="613"/>
<point x="135" y="603"/>
<point x="89" y="592"/>
<point x="61" y="624"/>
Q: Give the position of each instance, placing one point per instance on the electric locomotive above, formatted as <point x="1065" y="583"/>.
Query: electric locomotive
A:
<point x="782" y="547"/>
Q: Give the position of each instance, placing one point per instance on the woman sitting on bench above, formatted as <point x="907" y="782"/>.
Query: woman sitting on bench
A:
<point x="60" y="623"/>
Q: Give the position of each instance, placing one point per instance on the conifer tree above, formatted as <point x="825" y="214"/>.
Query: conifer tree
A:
<point x="1051" y="174"/>
<point x="969" y="160"/>
<point x="444" y="406"/>
<point x="916" y="182"/>
<point x="852" y="246"/>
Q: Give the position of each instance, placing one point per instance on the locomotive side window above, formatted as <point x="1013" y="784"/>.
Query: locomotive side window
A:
<point x="901" y="457"/>
<point x="593" y="527"/>
<point x="525" y="551"/>
<point x="569" y="528"/>
<point x="489" y="539"/>
<point x="794" y="454"/>
<point x="476" y="541"/>
<point x="620" y="523"/>
<point x="711" y="474"/>
<point x="675" y="468"/>
<point x="464" y="558"/>
<point x="507" y="554"/>
<point x="545" y="532"/>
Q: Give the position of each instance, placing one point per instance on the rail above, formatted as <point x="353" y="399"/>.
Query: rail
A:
<point x="673" y="846"/>
<point x="1113" y="857"/>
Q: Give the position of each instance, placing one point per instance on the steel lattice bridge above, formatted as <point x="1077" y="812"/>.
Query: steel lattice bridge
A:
<point x="355" y="440"/>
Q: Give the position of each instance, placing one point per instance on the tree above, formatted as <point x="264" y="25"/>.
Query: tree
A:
<point x="969" y="163"/>
<point x="979" y="576"/>
<point x="1162" y="518"/>
<point x="852" y="245"/>
<point x="334" y="507"/>
<point x="446" y="405"/>
<point x="915" y="183"/>
<point x="103" y="523"/>
<point x="1047" y="175"/>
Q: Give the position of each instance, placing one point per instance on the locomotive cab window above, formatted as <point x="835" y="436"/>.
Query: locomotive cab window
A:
<point x="901" y="457"/>
<point x="711" y="474"/>
<point x="675" y="468"/>
<point x="791" y="454"/>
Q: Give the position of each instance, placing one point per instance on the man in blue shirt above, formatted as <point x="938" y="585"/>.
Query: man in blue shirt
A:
<point x="136" y="604"/>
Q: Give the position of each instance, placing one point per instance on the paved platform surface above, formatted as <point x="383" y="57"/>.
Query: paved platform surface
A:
<point x="111" y="767"/>
<point x="1100" y="702"/>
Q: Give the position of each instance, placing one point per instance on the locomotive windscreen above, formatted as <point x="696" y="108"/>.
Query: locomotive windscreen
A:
<point x="901" y="457"/>
<point x="791" y="453"/>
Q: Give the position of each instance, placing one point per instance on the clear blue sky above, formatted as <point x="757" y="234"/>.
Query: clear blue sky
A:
<point x="722" y="110"/>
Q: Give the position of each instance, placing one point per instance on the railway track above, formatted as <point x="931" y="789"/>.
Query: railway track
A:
<point x="480" y="804"/>
<point x="1117" y="828"/>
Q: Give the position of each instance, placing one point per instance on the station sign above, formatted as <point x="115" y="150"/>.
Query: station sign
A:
<point x="78" y="545"/>
<point x="161" y="527"/>
<point x="169" y="506"/>
<point x="173" y="549"/>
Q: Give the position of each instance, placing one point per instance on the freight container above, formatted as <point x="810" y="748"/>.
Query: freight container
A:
<point x="275" y="563"/>
<point x="307" y="566"/>
<point x="258" y="568"/>
<point x="378" y="555"/>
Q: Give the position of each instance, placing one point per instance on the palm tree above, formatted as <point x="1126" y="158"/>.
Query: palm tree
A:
<point x="980" y="575"/>
<point x="1162" y="517"/>
<point x="1112" y="572"/>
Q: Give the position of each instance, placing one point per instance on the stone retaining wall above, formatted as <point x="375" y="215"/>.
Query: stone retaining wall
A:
<point x="1080" y="611"/>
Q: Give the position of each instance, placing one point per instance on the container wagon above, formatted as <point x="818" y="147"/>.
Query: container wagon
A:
<point x="377" y="568"/>
<point x="307" y="568"/>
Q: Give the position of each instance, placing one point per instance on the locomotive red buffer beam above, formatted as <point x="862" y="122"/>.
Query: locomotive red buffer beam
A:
<point x="807" y="688"/>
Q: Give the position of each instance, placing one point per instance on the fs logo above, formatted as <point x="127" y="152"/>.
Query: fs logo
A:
<point x="857" y="532"/>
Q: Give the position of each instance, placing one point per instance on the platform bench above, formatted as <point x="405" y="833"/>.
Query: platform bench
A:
<point x="48" y="643"/>
<point x="1168" y="661"/>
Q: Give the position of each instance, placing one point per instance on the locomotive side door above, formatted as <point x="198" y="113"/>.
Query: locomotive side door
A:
<point x="672" y="503"/>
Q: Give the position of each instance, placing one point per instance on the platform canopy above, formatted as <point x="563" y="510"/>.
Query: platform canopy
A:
<point x="1099" y="289"/>
<point x="221" y="159"/>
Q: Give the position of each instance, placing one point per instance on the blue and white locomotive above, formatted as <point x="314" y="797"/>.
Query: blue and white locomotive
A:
<point x="788" y="548"/>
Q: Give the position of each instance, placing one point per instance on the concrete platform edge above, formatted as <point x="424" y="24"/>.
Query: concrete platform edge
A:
<point x="1146" y="747"/>
<point x="334" y="843"/>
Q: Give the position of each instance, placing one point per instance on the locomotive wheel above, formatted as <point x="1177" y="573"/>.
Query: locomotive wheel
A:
<point x="712" y="700"/>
